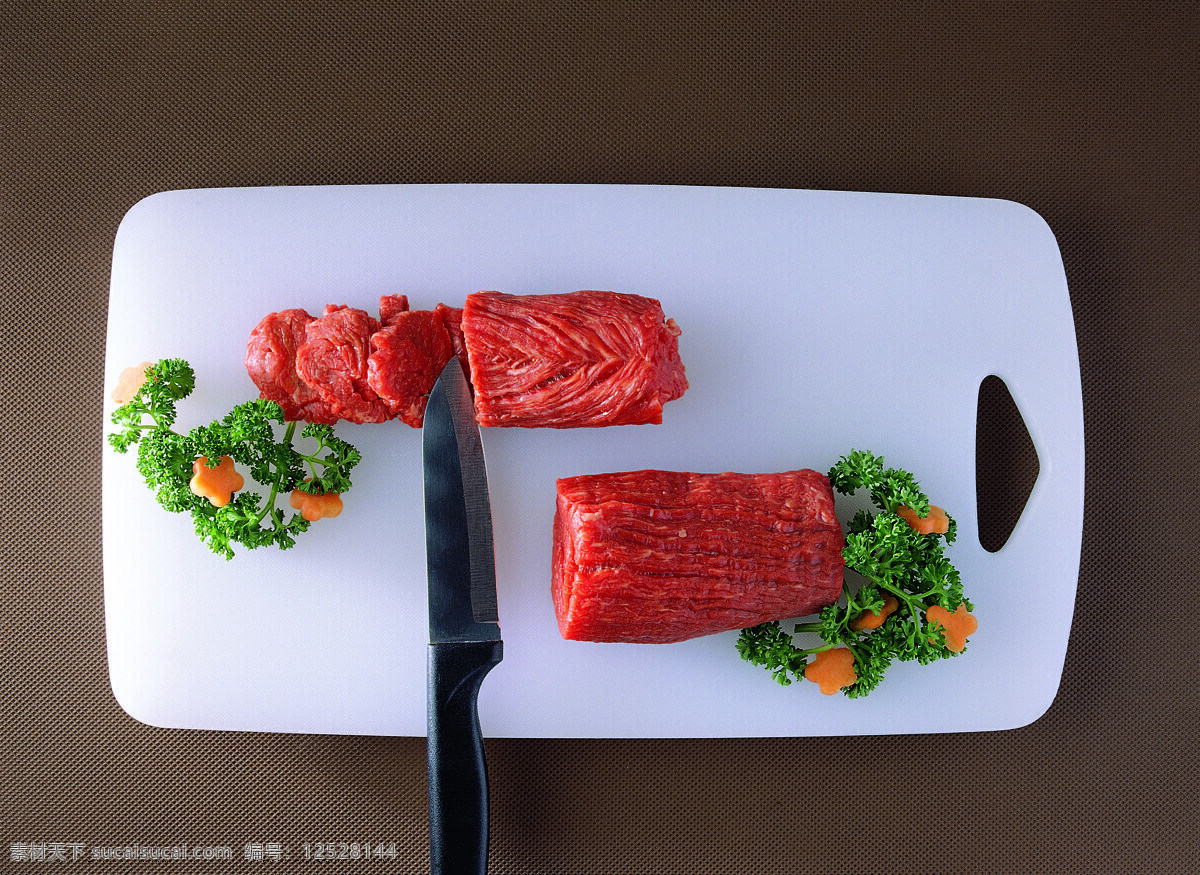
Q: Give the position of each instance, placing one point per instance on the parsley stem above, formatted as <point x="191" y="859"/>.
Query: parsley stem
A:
<point x="269" y="506"/>
<point x="812" y="650"/>
<point x="143" y="426"/>
<point x="314" y="459"/>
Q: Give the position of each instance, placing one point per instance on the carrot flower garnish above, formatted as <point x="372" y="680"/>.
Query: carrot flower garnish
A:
<point x="831" y="670"/>
<point x="937" y="522"/>
<point x="956" y="627"/>
<point x="218" y="483"/>
<point x="128" y="384"/>
<point x="313" y="506"/>
<point x="868" y="619"/>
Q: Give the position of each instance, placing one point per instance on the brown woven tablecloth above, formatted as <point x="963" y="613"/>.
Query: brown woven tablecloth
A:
<point x="1086" y="112"/>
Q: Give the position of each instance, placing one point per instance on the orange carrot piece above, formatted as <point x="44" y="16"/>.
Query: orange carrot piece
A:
<point x="129" y="382"/>
<point x="832" y="670"/>
<point x="314" y="507"/>
<point x="868" y="619"/>
<point x="936" y="523"/>
<point x="956" y="626"/>
<point x="216" y="484"/>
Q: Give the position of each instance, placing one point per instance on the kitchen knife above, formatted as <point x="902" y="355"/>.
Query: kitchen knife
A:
<point x="464" y="628"/>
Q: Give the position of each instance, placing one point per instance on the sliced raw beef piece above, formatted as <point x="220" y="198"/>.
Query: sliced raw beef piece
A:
<point x="661" y="556"/>
<point x="588" y="358"/>
<point x="452" y="318"/>
<point x="391" y="306"/>
<point x="271" y="363"/>
<point x="407" y="355"/>
<point x="333" y="361"/>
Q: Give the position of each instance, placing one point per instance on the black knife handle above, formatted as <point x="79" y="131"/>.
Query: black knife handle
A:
<point x="458" y="789"/>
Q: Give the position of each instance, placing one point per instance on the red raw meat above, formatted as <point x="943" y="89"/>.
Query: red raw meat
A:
<point x="271" y="363"/>
<point x="271" y="360"/>
<point x="661" y="556"/>
<point x="391" y="306"/>
<point x="452" y="318"/>
<point x="333" y="362"/>
<point x="588" y="358"/>
<point x="406" y="357"/>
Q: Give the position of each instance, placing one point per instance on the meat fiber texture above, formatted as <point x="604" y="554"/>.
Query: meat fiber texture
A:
<point x="656" y="557"/>
<point x="588" y="358"/>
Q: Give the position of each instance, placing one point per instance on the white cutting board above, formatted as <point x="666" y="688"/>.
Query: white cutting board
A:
<point x="813" y="323"/>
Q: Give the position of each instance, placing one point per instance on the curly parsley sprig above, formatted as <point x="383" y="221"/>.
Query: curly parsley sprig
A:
<point x="910" y="605"/>
<point x="168" y="459"/>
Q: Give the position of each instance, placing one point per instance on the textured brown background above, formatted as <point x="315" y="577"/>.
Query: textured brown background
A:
<point x="1084" y="111"/>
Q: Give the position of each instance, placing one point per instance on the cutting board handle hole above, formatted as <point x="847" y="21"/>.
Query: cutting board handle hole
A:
<point x="1006" y="464"/>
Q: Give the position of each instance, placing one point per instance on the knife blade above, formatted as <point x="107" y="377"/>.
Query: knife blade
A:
<point x="464" y="629"/>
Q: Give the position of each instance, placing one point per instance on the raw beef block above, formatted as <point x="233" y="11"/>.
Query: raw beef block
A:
<point x="588" y="358"/>
<point x="271" y="363"/>
<point x="661" y="556"/>
<point x="333" y="361"/>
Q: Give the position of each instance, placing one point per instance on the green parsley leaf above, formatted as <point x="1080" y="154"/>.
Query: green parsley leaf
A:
<point x="248" y="435"/>
<point x="893" y="560"/>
